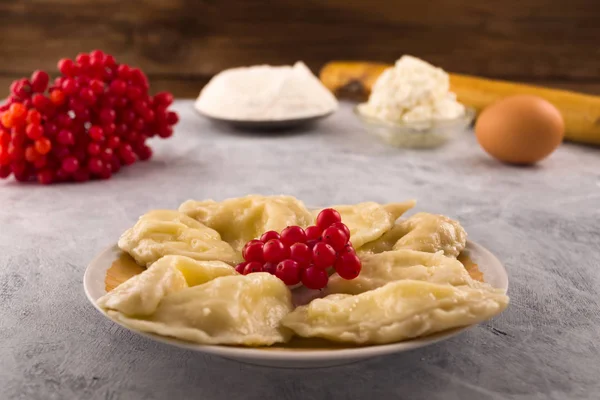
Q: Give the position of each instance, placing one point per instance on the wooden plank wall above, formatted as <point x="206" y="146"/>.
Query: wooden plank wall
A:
<point x="182" y="43"/>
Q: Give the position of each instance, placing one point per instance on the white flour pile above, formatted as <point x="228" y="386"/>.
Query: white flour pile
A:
<point x="264" y="92"/>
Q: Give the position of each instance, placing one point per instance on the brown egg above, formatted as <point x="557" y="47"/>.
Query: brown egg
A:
<point x="520" y="129"/>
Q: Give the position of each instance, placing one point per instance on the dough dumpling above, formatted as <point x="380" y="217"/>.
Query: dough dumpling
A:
<point x="231" y="310"/>
<point x="422" y="232"/>
<point x="169" y="232"/>
<point x="242" y="219"/>
<point x="397" y="311"/>
<point x="379" y="269"/>
<point x="369" y="221"/>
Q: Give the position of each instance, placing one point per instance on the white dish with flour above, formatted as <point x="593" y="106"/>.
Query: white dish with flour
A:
<point x="266" y="94"/>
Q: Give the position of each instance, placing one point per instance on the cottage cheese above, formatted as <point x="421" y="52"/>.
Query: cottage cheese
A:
<point x="264" y="92"/>
<point x="412" y="91"/>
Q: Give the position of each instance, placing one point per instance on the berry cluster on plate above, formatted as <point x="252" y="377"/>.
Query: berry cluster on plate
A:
<point x="92" y="120"/>
<point x="297" y="255"/>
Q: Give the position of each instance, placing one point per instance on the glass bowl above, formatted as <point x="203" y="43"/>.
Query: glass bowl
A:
<point x="421" y="134"/>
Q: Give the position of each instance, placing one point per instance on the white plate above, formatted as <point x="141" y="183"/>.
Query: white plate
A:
<point x="494" y="272"/>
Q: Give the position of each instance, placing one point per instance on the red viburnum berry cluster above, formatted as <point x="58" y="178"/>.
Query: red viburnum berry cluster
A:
<point x="304" y="255"/>
<point x="91" y="121"/>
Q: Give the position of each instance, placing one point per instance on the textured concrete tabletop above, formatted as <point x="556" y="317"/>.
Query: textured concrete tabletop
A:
<point x="542" y="222"/>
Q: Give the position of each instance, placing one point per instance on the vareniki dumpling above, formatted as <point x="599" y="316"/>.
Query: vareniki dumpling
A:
<point x="230" y="309"/>
<point x="422" y="232"/>
<point x="169" y="232"/>
<point x="141" y="294"/>
<point x="369" y="221"/>
<point x="239" y="220"/>
<point x="379" y="269"/>
<point x="397" y="311"/>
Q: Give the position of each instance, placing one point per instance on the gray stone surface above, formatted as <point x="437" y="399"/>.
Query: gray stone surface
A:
<point x="542" y="222"/>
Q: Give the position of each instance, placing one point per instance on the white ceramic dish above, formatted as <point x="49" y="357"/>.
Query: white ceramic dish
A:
<point x="266" y="125"/>
<point x="494" y="272"/>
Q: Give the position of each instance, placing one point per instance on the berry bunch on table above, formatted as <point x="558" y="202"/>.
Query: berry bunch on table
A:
<point x="297" y="255"/>
<point x="91" y="121"/>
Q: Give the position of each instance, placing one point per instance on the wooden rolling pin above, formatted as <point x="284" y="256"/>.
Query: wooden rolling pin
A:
<point x="581" y="112"/>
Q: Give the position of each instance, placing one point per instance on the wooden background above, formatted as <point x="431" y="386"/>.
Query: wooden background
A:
<point x="182" y="43"/>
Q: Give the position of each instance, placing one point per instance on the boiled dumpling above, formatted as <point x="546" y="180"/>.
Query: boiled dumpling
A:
<point x="422" y="232"/>
<point x="368" y="221"/>
<point x="240" y="220"/>
<point x="231" y="310"/>
<point x="168" y="232"/>
<point x="379" y="269"/>
<point x="397" y="311"/>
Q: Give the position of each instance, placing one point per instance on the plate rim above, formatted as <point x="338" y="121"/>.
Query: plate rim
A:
<point x="264" y="122"/>
<point x="95" y="267"/>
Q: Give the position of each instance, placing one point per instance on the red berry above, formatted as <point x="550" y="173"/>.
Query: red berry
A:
<point x="124" y="72"/>
<point x="253" y="251"/>
<point x="45" y="177"/>
<point x="57" y="97"/>
<point x="70" y="164"/>
<point x="128" y="116"/>
<point x="16" y="153"/>
<point x="118" y="87"/>
<point x="39" y="81"/>
<point x="274" y="251"/>
<point x="66" y="67"/>
<point x="83" y="59"/>
<point x="172" y="118"/>
<point x="113" y="142"/>
<point x="348" y="266"/>
<point x="97" y="86"/>
<point x="106" y="172"/>
<point x="34" y="117"/>
<point x="148" y="115"/>
<point x="144" y="153"/>
<point x="301" y="253"/>
<point x="43" y="146"/>
<point x="95" y="165"/>
<point x="88" y="96"/>
<point x="289" y="272"/>
<point x="40" y="102"/>
<point x="347" y="249"/>
<point x="270" y="267"/>
<point x="107" y="155"/>
<point x="165" y="132"/>
<point x="138" y="124"/>
<point x="69" y="86"/>
<point x="293" y="234"/>
<point x="252" y="267"/>
<point x="313" y="232"/>
<point x="5" y="171"/>
<point x="268" y="236"/>
<point x="31" y="154"/>
<point x="327" y="217"/>
<point x="335" y="237"/>
<point x="96" y="133"/>
<point x="34" y="131"/>
<point x="163" y="98"/>
<point x="133" y="93"/>
<point x="4" y="156"/>
<point x="63" y="120"/>
<point x="311" y="243"/>
<point x="240" y="267"/>
<point x="109" y="129"/>
<point x="18" y="112"/>
<point x="344" y="228"/>
<point x="21" y="88"/>
<point x="94" y="149"/>
<point x="314" y="278"/>
<point x="121" y="102"/>
<point x="109" y="61"/>
<point x="65" y="137"/>
<point x="323" y="255"/>
<point x="126" y="153"/>
<point x="40" y="162"/>
<point x="107" y="115"/>
<point x="81" y="175"/>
